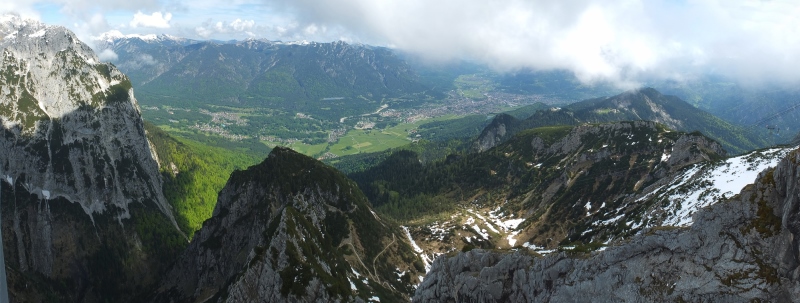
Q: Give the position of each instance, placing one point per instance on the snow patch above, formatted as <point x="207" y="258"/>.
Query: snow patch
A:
<point x="413" y="243"/>
<point x="38" y="34"/>
<point x="709" y="183"/>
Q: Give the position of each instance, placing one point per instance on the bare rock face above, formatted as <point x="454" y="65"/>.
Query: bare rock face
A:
<point x="502" y="127"/>
<point x="82" y="202"/>
<point x="292" y="229"/>
<point x="739" y="250"/>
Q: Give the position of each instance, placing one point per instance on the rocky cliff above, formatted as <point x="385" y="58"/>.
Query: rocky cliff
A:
<point x="84" y="217"/>
<point x="292" y="229"/>
<point x="742" y="249"/>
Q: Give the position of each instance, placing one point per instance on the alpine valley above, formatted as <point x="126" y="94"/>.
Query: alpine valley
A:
<point x="408" y="184"/>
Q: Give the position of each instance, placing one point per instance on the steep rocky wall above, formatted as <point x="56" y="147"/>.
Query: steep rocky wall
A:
<point x="736" y="251"/>
<point x="84" y="216"/>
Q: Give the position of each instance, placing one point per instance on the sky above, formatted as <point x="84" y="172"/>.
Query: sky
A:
<point x="621" y="41"/>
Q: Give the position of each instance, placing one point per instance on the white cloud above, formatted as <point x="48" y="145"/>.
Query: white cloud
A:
<point x="599" y="40"/>
<point x="107" y="55"/>
<point x="154" y="20"/>
<point x="242" y="25"/>
<point x="238" y="27"/>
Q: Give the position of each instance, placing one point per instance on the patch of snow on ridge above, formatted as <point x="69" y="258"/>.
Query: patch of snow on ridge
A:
<point x="705" y="184"/>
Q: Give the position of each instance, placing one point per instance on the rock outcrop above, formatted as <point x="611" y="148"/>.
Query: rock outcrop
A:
<point x="84" y="217"/>
<point x="740" y="250"/>
<point x="292" y="229"/>
<point x="502" y="127"/>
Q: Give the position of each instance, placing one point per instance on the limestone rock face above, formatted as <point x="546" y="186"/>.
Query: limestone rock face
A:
<point x="82" y="202"/>
<point x="292" y="229"/>
<point x="738" y="250"/>
<point x="501" y="128"/>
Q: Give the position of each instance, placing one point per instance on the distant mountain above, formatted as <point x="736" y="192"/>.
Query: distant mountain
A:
<point x="293" y="229"/>
<point x="143" y="57"/>
<point x="84" y="218"/>
<point x="641" y="104"/>
<point x="757" y="105"/>
<point x="328" y="80"/>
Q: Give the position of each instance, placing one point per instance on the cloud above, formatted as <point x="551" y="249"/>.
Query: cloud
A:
<point x="107" y="55"/>
<point x="146" y="59"/>
<point x="622" y="41"/>
<point x="242" y="25"/>
<point x="154" y="20"/>
<point x="238" y="27"/>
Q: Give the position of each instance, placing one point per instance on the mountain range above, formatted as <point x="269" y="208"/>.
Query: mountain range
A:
<point x="612" y="199"/>
<point x="328" y="80"/>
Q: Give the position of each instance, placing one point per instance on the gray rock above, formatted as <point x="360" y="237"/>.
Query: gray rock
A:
<point x="75" y="171"/>
<point x="739" y="250"/>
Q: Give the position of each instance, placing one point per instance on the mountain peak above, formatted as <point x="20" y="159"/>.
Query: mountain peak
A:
<point x="645" y="91"/>
<point x="52" y="73"/>
<point x="16" y="29"/>
<point x="288" y="171"/>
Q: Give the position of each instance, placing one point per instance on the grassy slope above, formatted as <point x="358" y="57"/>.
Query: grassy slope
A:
<point x="202" y="171"/>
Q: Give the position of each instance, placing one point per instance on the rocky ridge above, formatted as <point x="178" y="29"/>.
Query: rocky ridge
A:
<point x="738" y="250"/>
<point x="546" y="189"/>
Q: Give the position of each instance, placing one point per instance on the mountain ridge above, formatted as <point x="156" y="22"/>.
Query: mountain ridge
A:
<point x="640" y="104"/>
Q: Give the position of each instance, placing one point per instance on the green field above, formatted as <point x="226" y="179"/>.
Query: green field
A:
<point x="300" y="147"/>
<point x="363" y="141"/>
<point x="375" y="140"/>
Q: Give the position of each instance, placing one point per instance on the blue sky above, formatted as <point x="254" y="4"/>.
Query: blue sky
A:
<point x="622" y="41"/>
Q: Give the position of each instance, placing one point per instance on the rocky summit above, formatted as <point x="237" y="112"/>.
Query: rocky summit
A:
<point x="83" y="213"/>
<point x="293" y="229"/>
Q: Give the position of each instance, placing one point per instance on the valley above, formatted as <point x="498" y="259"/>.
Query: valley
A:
<point x="375" y="131"/>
